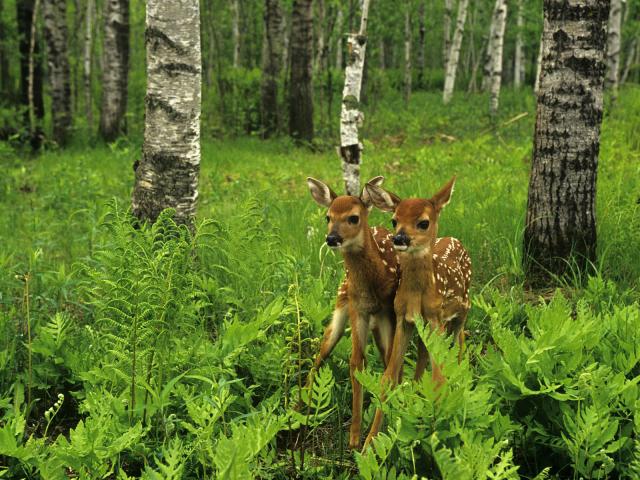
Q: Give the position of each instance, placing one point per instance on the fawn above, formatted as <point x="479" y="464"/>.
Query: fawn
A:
<point x="436" y="273"/>
<point x="366" y="295"/>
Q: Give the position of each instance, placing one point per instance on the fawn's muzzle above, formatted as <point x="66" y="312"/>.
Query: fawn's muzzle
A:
<point x="334" y="240"/>
<point x="401" y="241"/>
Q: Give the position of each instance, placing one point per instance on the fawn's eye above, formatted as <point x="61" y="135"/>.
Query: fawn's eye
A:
<point x="423" y="225"/>
<point x="328" y="218"/>
<point x="394" y="222"/>
<point x="353" y="219"/>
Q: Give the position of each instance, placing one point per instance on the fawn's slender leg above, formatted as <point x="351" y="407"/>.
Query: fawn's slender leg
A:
<point x="383" y="336"/>
<point x="332" y="333"/>
<point x="391" y="376"/>
<point x="359" y="334"/>
<point x="421" y="362"/>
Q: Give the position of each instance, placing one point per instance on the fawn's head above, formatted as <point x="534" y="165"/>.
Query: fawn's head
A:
<point x="347" y="217"/>
<point x="415" y="220"/>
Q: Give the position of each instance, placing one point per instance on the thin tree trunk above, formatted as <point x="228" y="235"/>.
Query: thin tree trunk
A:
<point x="351" y="117"/>
<point x="5" y="72"/>
<point x="561" y="223"/>
<point x="496" y="67"/>
<point x="536" y="86"/>
<point x="407" y="54"/>
<point x="446" y="28"/>
<point x="613" y="49"/>
<point x="115" y="69"/>
<point x="31" y="75"/>
<point x="454" y="55"/>
<point x="56" y="39"/>
<point x="421" y="38"/>
<point x="340" y="38"/>
<point x="272" y="66"/>
<point x="88" y="44"/>
<point x="494" y="35"/>
<point x="320" y="40"/>
<point x="167" y="175"/>
<point x="235" y="28"/>
<point x="301" y="88"/>
<point x="630" y="59"/>
<point x="518" y="64"/>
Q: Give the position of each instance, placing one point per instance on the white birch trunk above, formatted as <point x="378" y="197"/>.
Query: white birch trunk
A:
<point x="613" y="48"/>
<point x="351" y="117"/>
<point x="88" y="43"/>
<point x="536" y="86"/>
<point x="496" y="66"/>
<point x="491" y="45"/>
<point x="167" y="175"/>
<point x="407" y="54"/>
<point x="235" y="28"/>
<point x="454" y="54"/>
<point x="446" y="41"/>
<point x="339" y="38"/>
<point x="518" y="65"/>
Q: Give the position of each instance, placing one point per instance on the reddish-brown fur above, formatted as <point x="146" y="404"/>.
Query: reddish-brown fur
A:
<point x="366" y="295"/>
<point x="436" y="273"/>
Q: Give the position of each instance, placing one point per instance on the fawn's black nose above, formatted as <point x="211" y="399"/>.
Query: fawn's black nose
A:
<point x="334" y="240"/>
<point x="401" y="240"/>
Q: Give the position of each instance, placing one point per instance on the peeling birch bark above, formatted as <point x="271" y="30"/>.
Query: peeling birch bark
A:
<point x="496" y="61"/>
<point x="351" y="117"/>
<point x="560" y="227"/>
<point x="167" y="175"/>
<point x="454" y="55"/>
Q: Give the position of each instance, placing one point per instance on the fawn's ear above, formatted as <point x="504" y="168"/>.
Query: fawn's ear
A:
<point x="441" y="199"/>
<point x="382" y="199"/>
<point x="365" y="197"/>
<point x="320" y="192"/>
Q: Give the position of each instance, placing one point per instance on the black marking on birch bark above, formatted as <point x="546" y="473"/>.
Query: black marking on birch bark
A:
<point x="351" y="102"/>
<point x="176" y="68"/>
<point x="351" y="154"/>
<point x="163" y="161"/>
<point x="157" y="36"/>
<point x="154" y="102"/>
<point x="361" y="39"/>
<point x="562" y="10"/>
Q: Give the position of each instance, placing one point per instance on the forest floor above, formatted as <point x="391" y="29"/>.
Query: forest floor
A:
<point x="237" y="323"/>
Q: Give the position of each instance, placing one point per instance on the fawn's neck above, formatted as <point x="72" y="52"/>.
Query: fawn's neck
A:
<point x="418" y="274"/>
<point x="363" y="261"/>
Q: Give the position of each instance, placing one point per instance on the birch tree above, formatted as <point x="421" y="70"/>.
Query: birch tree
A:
<point x="421" y="38"/>
<point x="613" y="48"/>
<point x="561" y="221"/>
<point x="496" y="55"/>
<point x="86" y="62"/>
<point x="536" y="86"/>
<point x="167" y="175"/>
<point x="495" y="44"/>
<point x="115" y="69"/>
<point x="454" y="54"/>
<point x="300" y="86"/>
<point x="235" y="31"/>
<point x="56" y="38"/>
<point x="339" y="37"/>
<point x="446" y="31"/>
<point x="271" y="66"/>
<point x="518" y="63"/>
<point x="407" y="52"/>
<point x="350" y="116"/>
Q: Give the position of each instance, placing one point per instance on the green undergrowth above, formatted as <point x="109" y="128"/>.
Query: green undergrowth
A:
<point x="165" y="353"/>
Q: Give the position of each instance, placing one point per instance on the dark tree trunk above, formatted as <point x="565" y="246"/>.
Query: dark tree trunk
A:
<point x="5" y="74"/>
<point x="272" y="66"/>
<point x="561" y="223"/>
<point x="300" y="87"/>
<point x="115" y="69"/>
<point x="56" y="39"/>
<point x="421" y="36"/>
<point x="24" y="13"/>
<point x="167" y="175"/>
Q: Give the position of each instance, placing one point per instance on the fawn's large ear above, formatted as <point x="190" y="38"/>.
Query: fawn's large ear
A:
<point x="365" y="197"/>
<point x="441" y="199"/>
<point x="320" y="192"/>
<point x="382" y="199"/>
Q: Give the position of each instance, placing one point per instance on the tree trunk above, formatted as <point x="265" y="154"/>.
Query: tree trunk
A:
<point x="494" y="40"/>
<point x="536" y="86"/>
<point x="446" y="28"/>
<point x="421" y="38"/>
<point x="340" y="38"/>
<point x="407" y="54"/>
<point x="88" y="44"/>
<point x="272" y="66"/>
<point x="56" y="38"/>
<point x="496" y="61"/>
<point x="167" y="175"/>
<point x="320" y="40"/>
<point x="454" y="54"/>
<point x="561" y="223"/>
<point x="30" y="60"/>
<point x="351" y="117"/>
<point x="301" y="88"/>
<point x="235" y="28"/>
<point x="630" y="59"/>
<point x="115" y="69"/>
<point x="613" y="48"/>
<point x="5" y="72"/>
<point x="518" y="64"/>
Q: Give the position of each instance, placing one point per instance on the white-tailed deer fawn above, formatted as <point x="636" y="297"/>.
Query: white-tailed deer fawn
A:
<point x="366" y="295"/>
<point x="436" y="273"/>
